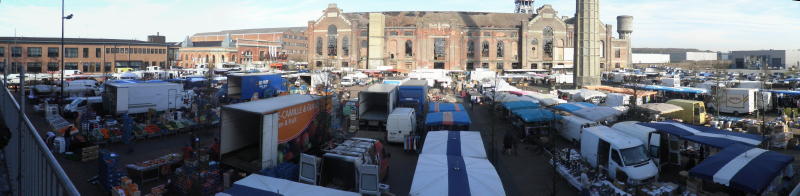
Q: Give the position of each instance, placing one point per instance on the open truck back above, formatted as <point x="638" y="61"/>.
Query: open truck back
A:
<point x="375" y="104"/>
<point x="261" y="134"/>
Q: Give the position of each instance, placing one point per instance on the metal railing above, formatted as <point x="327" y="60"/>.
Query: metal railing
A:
<point x="31" y="165"/>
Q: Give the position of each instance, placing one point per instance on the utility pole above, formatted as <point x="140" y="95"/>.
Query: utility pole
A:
<point x="494" y="104"/>
<point x="61" y="95"/>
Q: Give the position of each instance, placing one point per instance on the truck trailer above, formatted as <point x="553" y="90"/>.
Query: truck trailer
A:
<point x="134" y="97"/>
<point x="736" y="101"/>
<point x="261" y="134"/>
<point x="375" y="104"/>
<point x="413" y="94"/>
<point x="247" y="86"/>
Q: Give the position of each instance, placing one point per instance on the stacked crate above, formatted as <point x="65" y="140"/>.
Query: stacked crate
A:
<point x="109" y="174"/>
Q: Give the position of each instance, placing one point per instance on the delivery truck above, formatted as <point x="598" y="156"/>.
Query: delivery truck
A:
<point x="694" y="112"/>
<point x="736" y="101"/>
<point x="261" y="134"/>
<point x="375" y="104"/>
<point x="401" y="122"/>
<point x="246" y="86"/>
<point x="413" y="94"/>
<point x="134" y="97"/>
<point x="651" y="137"/>
<point x="623" y="157"/>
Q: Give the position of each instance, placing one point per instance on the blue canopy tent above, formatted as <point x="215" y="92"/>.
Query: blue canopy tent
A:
<point x="515" y="105"/>
<point x="705" y="135"/>
<point x="742" y="167"/>
<point x="536" y="115"/>
<point x="574" y="106"/>
<point x="445" y="107"/>
<point x="452" y="121"/>
<point x="675" y="89"/>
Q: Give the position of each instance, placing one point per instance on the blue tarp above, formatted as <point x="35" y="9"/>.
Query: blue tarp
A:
<point x="574" y="106"/>
<point x="536" y="115"/>
<point x="447" y="118"/>
<point x="705" y="135"/>
<point x="445" y="107"/>
<point x="675" y="89"/>
<point x="515" y="105"/>
<point x="751" y="172"/>
<point x="784" y="92"/>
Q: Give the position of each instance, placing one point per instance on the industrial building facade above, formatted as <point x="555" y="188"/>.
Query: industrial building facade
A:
<point x="454" y="41"/>
<point x="43" y="55"/>
<point x="773" y="59"/>
<point x="246" y="46"/>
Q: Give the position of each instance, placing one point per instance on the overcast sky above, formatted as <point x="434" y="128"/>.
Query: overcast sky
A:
<point x="704" y="24"/>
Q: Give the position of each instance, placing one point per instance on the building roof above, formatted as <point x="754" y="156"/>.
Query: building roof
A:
<point x="467" y="19"/>
<point x="57" y="40"/>
<point x="253" y="31"/>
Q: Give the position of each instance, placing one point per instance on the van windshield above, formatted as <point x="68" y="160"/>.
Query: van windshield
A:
<point x="634" y="156"/>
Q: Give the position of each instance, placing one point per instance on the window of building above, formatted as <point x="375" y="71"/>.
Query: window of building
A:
<point x="15" y="67"/>
<point x="345" y="64"/>
<point x="487" y="34"/>
<point x="346" y="46"/>
<point x="516" y="66"/>
<point x="319" y="46"/>
<point x="71" y="66"/>
<point x="485" y="65"/>
<point x="364" y="43"/>
<point x="485" y="49"/>
<point x="52" y="66"/>
<point x="319" y="63"/>
<point x="439" y="48"/>
<point x="364" y="32"/>
<point x="513" y="34"/>
<point x="85" y="52"/>
<point x="97" y="52"/>
<point x="107" y="67"/>
<point x="35" y="52"/>
<point x="393" y="33"/>
<point x="617" y="53"/>
<point x="470" y="66"/>
<point x="500" y="65"/>
<point x="616" y="65"/>
<point x="470" y="49"/>
<point x="408" y="33"/>
<point x="548" y="48"/>
<point x="108" y="50"/>
<point x="500" y="50"/>
<point x="534" y="66"/>
<point x="71" y="52"/>
<point x="602" y="65"/>
<point x="409" y="48"/>
<point x="86" y="67"/>
<point x="2" y="51"/>
<point x="332" y="42"/>
<point x="34" y="67"/>
<point x="548" y="31"/>
<point x="2" y="66"/>
<point x="52" y="52"/>
<point x="602" y="49"/>
<point x="16" y="52"/>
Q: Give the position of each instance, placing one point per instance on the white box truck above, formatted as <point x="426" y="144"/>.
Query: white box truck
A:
<point x="671" y="82"/>
<point x="571" y="127"/>
<point x="623" y="157"/>
<point x="736" y="101"/>
<point x="375" y="104"/>
<point x="134" y="97"/>
<point x="400" y="123"/>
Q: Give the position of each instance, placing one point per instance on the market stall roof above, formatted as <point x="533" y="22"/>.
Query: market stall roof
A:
<point x="598" y="114"/>
<point x="515" y="105"/>
<point x="455" y="175"/>
<point x="454" y="143"/>
<point x="785" y="92"/>
<point x="264" y="185"/>
<point x="536" y="115"/>
<point x="585" y="94"/>
<point x="544" y="99"/>
<point x="705" y="135"/>
<point x="675" y="89"/>
<point x="447" y="118"/>
<point x="660" y="108"/>
<point x="445" y="107"/>
<point x="742" y="167"/>
<point x="573" y="106"/>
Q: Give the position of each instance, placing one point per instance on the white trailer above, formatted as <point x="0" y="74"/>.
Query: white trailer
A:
<point x="671" y="82"/>
<point x="736" y="101"/>
<point x="571" y="127"/>
<point x="134" y="97"/>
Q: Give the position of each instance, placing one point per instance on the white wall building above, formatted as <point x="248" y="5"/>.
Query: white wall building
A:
<point x="701" y="56"/>
<point x="639" y="58"/>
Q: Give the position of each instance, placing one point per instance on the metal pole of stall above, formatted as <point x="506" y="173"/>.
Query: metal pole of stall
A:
<point x="20" y="125"/>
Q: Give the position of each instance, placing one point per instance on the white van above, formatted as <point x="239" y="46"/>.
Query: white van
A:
<point x="623" y="157"/>
<point x="650" y="136"/>
<point x="83" y="103"/>
<point x="571" y="127"/>
<point x="400" y="123"/>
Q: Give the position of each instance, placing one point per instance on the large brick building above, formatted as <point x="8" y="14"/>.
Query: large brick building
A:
<point x="453" y="40"/>
<point x="42" y="55"/>
<point x="245" y="46"/>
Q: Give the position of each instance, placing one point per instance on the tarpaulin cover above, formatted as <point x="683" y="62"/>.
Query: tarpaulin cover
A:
<point x="598" y="114"/>
<point x="705" y="135"/>
<point x="264" y="185"/>
<point x="469" y="142"/>
<point x="447" y="118"/>
<point x="442" y="175"/>
<point x="675" y="89"/>
<point x="742" y="167"/>
<point x="785" y="92"/>
<point x="445" y="107"/>
<point x="536" y="115"/>
<point x="515" y="105"/>
<point x="574" y="106"/>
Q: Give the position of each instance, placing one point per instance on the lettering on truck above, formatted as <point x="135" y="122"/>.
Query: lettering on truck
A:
<point x="294" y="120"/>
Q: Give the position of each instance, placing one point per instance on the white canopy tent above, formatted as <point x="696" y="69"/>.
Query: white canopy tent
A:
<point x="469" y="143"/>
<point x="264" y="185"/>
<point x="437" y="175"/>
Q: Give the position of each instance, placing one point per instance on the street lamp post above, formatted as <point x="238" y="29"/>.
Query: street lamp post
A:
<point x="61" y="95"/>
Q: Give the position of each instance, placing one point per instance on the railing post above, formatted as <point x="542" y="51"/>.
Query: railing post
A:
<point x="21" y="88"/>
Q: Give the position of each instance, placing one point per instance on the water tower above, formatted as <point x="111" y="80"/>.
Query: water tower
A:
<point x="624" y="26"/>
<point x="523" y="6"/>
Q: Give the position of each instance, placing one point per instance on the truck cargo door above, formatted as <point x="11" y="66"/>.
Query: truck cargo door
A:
<point x="368" y="180"/>
<point x="122" y="100"/>
<point x="309" y="169"/>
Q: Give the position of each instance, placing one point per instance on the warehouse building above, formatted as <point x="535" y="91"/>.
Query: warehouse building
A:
<point x="773" y="59"/>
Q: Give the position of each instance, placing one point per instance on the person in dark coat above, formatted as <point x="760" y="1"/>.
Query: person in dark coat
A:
<point x="508" y="142"/>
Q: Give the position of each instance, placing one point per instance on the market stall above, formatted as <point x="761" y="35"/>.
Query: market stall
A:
<point x="573" y="106"/>
<point x="744" y="168"/>
<point x="599" y="114"/>
<point x="445" y="107"/>
<point x="154" y="169"/>
<point x="455" y="143"/>
<point x="264" y="185"/>
<point x="451" y="121"/>
<point x="454" y="175"/>
<point x="508" y="107"/>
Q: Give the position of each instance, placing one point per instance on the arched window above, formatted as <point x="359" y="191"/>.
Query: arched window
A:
<point x="500" y="50"/>
<point x="319" y="45"/>
<point x="409" y="48"/>
<point x="602" y="48"/>
<point x="548" y="41"/>
<point x="470" y="49"/>
<point x="548" y="31"/>
<point x="345" y="46"/>
<point x="485" y="49"/>
<point x="223" y="58"/>
<point x="332" y="42"/>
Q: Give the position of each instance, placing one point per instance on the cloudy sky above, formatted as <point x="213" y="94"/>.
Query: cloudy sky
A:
<point x="704" y="24"/>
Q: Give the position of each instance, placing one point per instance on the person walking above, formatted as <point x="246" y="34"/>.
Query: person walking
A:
<point x="508" y="143"/>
